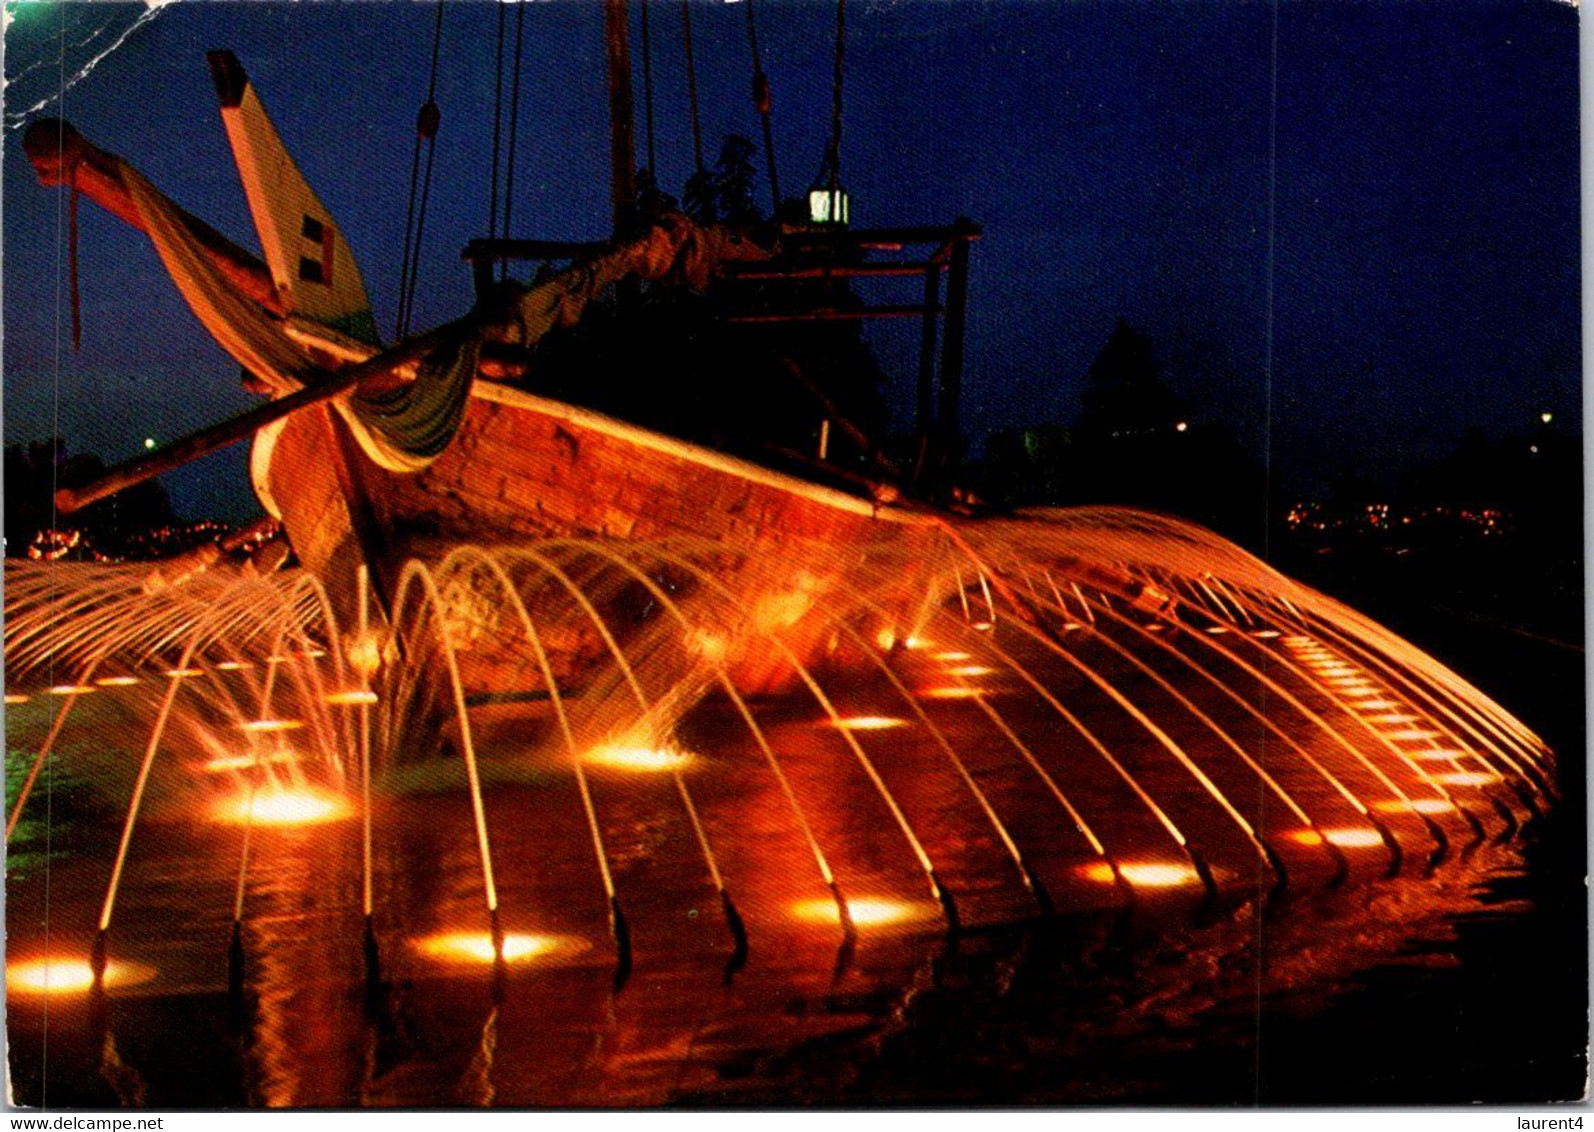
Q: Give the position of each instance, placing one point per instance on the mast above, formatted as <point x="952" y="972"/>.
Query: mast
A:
<point x="622" y="146"/>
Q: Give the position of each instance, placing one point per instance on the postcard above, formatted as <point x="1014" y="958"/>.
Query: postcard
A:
<point x="757" y="553"/>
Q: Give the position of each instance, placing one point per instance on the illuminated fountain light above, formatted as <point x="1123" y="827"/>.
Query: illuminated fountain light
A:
<point x="264" y="726"/>
<point x="646" y="760"/>
<point x="224" y="763"/>
<point x="1071" y="626"/>
<point x="364" y="652"/>
<point x="1344" y="836"/>
<point x="1412" y="735"/>
<point x="70" y="689"/>
<point x="314" y="653"/>
<point x="1466" y="778"/>
<point x="867" y="722"/>
<point x="886" y="639"/>
<point x="709" y="645"/>
<point x="478" y="947"/>
<point x="277" y="658"/>
<point x="865" y="911"/>
<point x="1143" y="874"/>
<point x="1440" y="754"/>
<point x="952" y="692"/>
<point x="283" y="807"/>
<point x="1266" y="634"/>
<point x="352" y="696"/>
<point x="1217" y="630"/>
<point x="69" y="974"/>
<point x="982" y="626"/>
<point x="184" y="673"/>
<point x="16" y="698"/>
<point x="1416" y="805"/>
<point x="1372" y="704"/>
<point x="233" y="666"/>
<point x="1392" y="717"/>
<point x="953" y="656"/>
<point x="118" y="681"/>
<point x="918" y="643"/>
<point x="971" y="670"/>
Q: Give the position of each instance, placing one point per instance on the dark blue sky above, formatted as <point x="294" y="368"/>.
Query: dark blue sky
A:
<point x="1426" y="264"/>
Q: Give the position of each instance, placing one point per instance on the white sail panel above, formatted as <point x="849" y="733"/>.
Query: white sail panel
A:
<point x="310" y="262"/>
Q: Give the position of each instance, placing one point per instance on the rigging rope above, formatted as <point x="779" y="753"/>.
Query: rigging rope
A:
<point x="832" y="166"/>
<point x="691" y="85"/>
<point x="498" y="113"/>
<point x="426" y="123"/>
<point x="514" y="132"/>
<point x="647" y="91"/>
<point x="762" y="100"/>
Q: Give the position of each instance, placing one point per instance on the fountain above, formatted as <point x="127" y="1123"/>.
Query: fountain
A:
<point x="655" y="789"/>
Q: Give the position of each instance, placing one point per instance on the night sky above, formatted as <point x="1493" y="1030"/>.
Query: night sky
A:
<point x="1425" y="270"/>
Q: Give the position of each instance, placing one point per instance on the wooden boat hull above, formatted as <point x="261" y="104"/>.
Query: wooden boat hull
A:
<point x="524" y="468"/>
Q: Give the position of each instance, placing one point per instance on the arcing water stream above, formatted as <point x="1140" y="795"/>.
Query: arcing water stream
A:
<point x="657" y="817"/>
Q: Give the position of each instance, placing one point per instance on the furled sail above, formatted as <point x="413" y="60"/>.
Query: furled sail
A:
<point x="403" y="428"/>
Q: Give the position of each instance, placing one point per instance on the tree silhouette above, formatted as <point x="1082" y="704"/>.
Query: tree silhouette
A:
<point x="1133" y="443"/>
<point x="1127" y="396"/>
